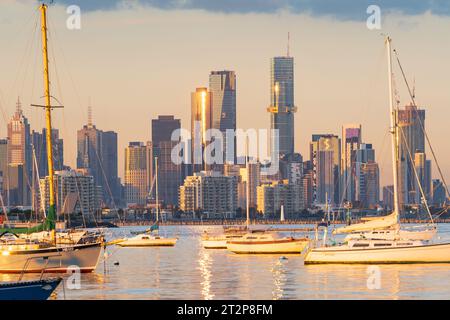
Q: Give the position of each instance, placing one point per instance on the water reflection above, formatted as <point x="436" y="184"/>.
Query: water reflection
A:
<point x="188" y="271"/>
<point x="205" y="263"/>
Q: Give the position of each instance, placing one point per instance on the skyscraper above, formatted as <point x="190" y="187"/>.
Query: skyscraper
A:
<point x="411" y="122"/>
<point x="138" y="173"/>
<point x="325" y="156"/>
<point x="423" y="170"/>
<point x="367" y="177"/>
<point x="97" y="151"/>
<point x="351" y="140"/>
<point x="282" y="106"/>
<point x="222" y="85"/>
<point x="20" y="155"/>
<point x="163" y="127"/>
<point x="201" y="121"/>
<point x="169" y="173"/>
<point x="39" y="143"/>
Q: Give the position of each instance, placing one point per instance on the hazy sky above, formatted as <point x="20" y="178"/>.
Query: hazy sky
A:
<point x="136" y="60"/>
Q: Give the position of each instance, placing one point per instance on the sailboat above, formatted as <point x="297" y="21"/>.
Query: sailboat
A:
<point x="150" y="238"/>
<point x="263" y="241"/>
<point x="376" y="249"/>
<point x="45" y="254"/>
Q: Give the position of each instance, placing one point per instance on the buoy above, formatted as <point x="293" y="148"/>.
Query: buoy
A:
<point x="116" y="263"/>
<point x="283" y="258"/>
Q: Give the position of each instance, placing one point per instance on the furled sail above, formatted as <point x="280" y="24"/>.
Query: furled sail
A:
<point x="372" y="224"/>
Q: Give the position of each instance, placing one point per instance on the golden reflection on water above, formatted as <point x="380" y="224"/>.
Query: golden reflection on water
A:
<point x="205" y="263"/>
<point x="279" y="279"/>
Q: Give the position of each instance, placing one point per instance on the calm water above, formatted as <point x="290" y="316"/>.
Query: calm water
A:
<point x="187" y="271"/>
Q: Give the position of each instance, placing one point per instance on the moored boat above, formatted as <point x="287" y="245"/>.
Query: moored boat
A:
<point x="267" y="243"/>
<point x="29" y="290"/>
<point x="147" y="240"/>
<point x="380" y="252"/>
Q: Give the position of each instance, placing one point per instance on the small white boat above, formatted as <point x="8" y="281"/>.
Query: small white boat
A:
<point x="380" y="252"/>
<point x="266" y="243"/>
<point x="147" y="240"/>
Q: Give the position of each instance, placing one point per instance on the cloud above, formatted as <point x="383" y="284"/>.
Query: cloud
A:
<point x="340" y="9"/>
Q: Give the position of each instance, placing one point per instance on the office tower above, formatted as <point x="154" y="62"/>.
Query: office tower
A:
<point x="439" y="193"/>
<point x="201" y="122"/>
<point x="351" y="140"/>
<point x="272" y="196"/>
<point x="411" y="121"/>
<point x="20" y="155"/>
<point x="97" y="152"/>
<point x="163" y="127"/>
<point x="138" y="173"/>
<point x="4" y="169"/>
<point x="39" y="143"/>
<point x="169" y="173"/>
<point x="222" y="85"/>
<point x="423" y="171"/>
<point x="209" y="193"/>
<point x="367" y="177"/>
<point x="76" y="193"/>
<point x="251" y="175"/>
<point x="18" y="190"/>
<point x="388" y="197"/>
<point x="325" y="154"/>
<point x="282" y="106"/>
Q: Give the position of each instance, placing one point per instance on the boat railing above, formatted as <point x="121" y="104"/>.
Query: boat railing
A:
<point x="46" y="259"/>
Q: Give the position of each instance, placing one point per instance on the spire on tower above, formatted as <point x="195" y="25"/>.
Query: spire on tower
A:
<point x="18" y="106"/>
<point x="89" y="115"/>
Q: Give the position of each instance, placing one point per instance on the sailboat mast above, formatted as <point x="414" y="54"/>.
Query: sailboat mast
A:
<point x="48" y="117"/>
<point x="247" y="191"/>
<point x="157" y="195"/>
<point x="394" y="129"/>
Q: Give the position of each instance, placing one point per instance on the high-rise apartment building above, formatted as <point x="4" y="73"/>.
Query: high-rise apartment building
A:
<point x="209" y="193"/>
<point x="272" y="196"/>
<point x="367" y="177"/>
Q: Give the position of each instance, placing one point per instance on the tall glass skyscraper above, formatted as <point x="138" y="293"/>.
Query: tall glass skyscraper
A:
<point x="282" y="106"/>
<point x="222" y="85"/>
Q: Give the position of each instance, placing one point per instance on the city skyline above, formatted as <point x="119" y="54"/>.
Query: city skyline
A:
<point x="309" y="119"/>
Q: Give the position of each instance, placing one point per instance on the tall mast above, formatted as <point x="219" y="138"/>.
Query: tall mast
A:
<point x="51" y="217"/>
<point x="247" y="193"/>
<point x="394" y="129"/>
<point x="157" y="195"/>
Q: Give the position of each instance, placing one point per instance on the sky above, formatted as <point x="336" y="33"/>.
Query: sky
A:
<point x="134" y="60"/>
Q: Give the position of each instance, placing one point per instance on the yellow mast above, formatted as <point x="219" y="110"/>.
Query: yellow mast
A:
<point x="48" y="118"/>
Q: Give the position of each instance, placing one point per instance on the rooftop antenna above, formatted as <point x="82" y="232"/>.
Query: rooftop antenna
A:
<point x="288" y="43"/>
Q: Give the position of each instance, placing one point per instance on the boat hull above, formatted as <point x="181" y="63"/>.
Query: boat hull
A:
<point x="433" y="253"/>
<point x="289" y="246"/>
<point x="214" y="244"/>
<point x="85" y="257"/>
<point x="165" y="242"/>
<point x="29" y="290"/>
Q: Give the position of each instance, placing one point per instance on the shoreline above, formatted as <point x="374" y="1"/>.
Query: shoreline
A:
<point x="220" y="222"/>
